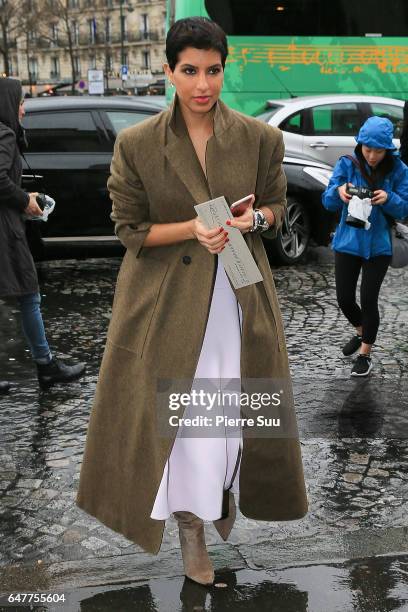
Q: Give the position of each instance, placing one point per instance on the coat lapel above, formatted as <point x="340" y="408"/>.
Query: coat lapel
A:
<point x="181" y="155"/>
<point x="231" y="162"/>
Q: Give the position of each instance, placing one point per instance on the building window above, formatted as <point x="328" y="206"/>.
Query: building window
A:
<point x="108" y="29"/>
<point x="54" y="34"/>
<point x="92" y="62"/>
<point x="92" y="30"/>
<point x="33" y="67"/>
<point x="144" y="25"/>
<point x="75" y="32"/>
<point x="108" y="62"/>
<point x="55" y="68"/>
<point x="32" y="37"/>
<point x="163" y="31"/>
<point x="146" y="59"/>
<point x="73" y="4"/>
<point x="77" y="66"/>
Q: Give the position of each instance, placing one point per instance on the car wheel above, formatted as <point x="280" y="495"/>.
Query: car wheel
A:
<point x="293" y="238"/>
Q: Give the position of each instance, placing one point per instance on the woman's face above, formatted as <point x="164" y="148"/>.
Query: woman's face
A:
<point x="373" y="156"/>
<point x="21" y="110"/>
<point x="198" y="78"/>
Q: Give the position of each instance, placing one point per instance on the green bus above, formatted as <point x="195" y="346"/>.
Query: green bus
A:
<point x="286" y="48"/>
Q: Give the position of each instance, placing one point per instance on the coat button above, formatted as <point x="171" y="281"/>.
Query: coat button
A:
<point x="186" y="259"/>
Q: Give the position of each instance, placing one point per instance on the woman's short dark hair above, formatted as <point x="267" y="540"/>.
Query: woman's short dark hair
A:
<point x="378" y="174"/>
<point x="197" y="32"/>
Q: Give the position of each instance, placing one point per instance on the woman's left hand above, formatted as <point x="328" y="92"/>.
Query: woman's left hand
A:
<point x="244" y="222"/>
<point x="380" y="197"/>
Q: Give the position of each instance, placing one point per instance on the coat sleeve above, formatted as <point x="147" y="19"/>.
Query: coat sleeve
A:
<point x="10" y="193"/>
<point x="397" y="202"/>
<point x="130" y="209"/>
<point x="274" y="196"/>
<point x="330" y="197"/>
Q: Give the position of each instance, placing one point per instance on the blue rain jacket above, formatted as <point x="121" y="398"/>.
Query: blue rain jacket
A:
<point x="376" y="240"/>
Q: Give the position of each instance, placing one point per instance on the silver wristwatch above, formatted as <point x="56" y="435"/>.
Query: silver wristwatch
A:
<point x="260" y="222"/>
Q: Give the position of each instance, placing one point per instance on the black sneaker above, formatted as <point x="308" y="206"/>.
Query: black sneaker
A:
<point x="352" y="346"/>
<point x="58" y="372"/>
<point x="4" y="387"/>
<point x="362" y="366"/>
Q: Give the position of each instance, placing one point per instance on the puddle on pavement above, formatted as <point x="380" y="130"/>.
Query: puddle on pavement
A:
<point x="370" y="585"/>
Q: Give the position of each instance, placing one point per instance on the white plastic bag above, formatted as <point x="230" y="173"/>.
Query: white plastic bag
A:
<point x="48" y="208"/>
<point x="360" y="209"/>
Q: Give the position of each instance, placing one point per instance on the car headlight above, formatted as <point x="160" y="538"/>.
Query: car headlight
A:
<point x="321" y="175"/>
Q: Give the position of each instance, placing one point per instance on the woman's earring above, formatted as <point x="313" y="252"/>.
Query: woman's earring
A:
<point x="171" y="83"/>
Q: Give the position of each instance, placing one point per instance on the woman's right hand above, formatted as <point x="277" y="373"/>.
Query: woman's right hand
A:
<point x="32" y="209"/>
<point x="213" y="240"/>
<point x="346" y="197"/>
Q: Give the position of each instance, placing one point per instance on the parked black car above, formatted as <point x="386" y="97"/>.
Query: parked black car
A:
<point x="70" y="147"/>
<point x="306" y="220"/>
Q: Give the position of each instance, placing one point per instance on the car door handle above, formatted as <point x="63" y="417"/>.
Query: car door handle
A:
<point x="31" y="176"/>
<point x="318" y="145"/>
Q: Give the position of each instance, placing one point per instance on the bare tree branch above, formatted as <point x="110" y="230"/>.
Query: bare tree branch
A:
<point x="60" y="12"/>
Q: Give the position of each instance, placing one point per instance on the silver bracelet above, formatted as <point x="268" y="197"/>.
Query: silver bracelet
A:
<point x="260" y="223"/>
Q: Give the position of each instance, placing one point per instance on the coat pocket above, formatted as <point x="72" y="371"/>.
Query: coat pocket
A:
<point x="137" y="294"/>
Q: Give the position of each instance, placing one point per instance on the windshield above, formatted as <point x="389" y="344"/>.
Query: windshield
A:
<point x="310" y="17"/>
<point x="266" y="115"/>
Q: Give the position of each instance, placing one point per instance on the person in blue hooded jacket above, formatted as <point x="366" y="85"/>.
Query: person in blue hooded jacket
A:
<point x="377" y="166"/>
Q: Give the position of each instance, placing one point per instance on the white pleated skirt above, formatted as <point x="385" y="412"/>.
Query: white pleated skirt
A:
<point x="200" y="469"/>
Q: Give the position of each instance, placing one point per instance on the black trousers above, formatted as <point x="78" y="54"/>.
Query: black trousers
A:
<point x="348" y="269"/>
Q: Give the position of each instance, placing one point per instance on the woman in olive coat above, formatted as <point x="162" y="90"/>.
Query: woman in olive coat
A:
<point x="198" y="150"/>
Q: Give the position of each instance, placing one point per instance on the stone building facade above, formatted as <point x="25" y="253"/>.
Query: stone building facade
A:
<point x="105" y="34"/>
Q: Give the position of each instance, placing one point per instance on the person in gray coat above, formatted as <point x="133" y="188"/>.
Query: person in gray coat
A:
<point x="404" y="136"/>
<point x="18" y="276"/>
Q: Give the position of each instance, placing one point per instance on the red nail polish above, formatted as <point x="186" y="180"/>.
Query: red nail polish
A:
<point x="227" y="240"/>
<point x="228" y="222"/>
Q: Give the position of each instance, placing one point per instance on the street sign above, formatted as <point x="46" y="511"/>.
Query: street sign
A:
<point x="124" y="71"/>
<point x="95" y="82"/>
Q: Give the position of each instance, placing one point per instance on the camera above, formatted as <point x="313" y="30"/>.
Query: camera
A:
<point x="44" y="201"/>
<point x="360" y="192"/>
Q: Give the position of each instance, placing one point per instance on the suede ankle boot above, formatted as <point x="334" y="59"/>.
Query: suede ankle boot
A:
<point x="224" y="524"/>
<point x="197" y="563"/>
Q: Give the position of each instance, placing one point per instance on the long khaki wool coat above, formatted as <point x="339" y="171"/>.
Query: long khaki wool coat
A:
<point x="159" y="317"/>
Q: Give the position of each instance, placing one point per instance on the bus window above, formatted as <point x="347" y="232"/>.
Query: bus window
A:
<point x="318" y="17"/>
<point x="391" y="112"/>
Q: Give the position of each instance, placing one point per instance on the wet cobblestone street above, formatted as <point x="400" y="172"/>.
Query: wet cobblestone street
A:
<point x="354" y="432"/>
